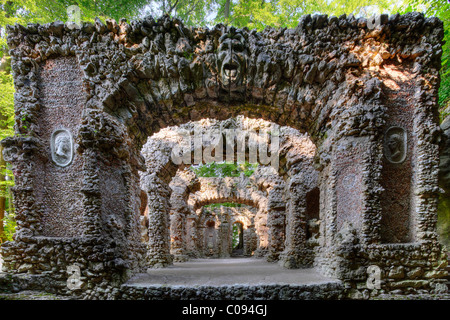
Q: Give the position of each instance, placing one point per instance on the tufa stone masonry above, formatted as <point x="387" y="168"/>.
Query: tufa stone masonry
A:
<point x="357" y="184"/>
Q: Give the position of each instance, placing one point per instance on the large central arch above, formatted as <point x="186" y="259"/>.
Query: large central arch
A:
<point x="366" y="95"/>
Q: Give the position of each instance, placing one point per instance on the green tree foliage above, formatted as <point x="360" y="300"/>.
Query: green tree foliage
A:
<point x="6" y="105"/>
<point x="259" y="14"/>
<point x="191" y="12"/>
<point x="7" y="226"/>
<point x="224" y="204"/>
<point x="44" y="11"/>
<point x="235" y="235"/>
<point x="224" y="169"/>
<point x="440" y="9"/>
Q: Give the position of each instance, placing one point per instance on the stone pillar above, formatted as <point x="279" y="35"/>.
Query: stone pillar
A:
<point x="346" y="206"/>
<point x="261" y="232"/>
<point x="275" y="222"/>
<point x="295" y="245"/>
<point x="191" y="235"/>
<point x="250" y="238"/>
<point x="158" y="254"/>
<point x="302" y="208"/>
<point x="76" y="180"/>
<point x="224" y="234"/>
<point x="177" y="236"/>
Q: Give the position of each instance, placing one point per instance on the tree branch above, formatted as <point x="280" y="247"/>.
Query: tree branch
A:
<point x="193" y="7"/>
<point x="172" y="7"/>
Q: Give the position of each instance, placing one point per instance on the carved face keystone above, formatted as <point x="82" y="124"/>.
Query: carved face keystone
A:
<point x="231" y="60"/>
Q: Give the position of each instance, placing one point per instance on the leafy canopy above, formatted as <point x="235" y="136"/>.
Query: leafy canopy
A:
<point x="224" y="169"/>
<point x="257" y="14"/>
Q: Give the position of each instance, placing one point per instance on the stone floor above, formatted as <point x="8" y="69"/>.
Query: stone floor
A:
<point x="230" y="279"/>
<point x="231" y="271"/>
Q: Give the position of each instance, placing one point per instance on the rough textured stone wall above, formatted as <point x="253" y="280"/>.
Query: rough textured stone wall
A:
<point x="331" y="77"/>
<point x="61" y="98"/>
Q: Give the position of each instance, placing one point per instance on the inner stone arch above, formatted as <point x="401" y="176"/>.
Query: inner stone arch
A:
<point x="296" y="152"/>
<point x="222" y="218"/>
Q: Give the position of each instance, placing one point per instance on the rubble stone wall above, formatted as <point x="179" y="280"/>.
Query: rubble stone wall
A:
<point x="336" y="78"/>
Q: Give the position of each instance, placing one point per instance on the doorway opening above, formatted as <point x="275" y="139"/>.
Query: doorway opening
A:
<point x="238" y="239"/>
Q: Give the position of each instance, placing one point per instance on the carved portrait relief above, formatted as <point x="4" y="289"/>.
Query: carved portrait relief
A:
<point x="61" y="147"/>
<point x="395" y="145"/>
<point x="231" y="59"/>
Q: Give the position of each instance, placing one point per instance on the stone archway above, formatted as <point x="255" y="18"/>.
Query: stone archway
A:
<point x="295" y="154"/>
<point x="215" y="225"/>
<point x="247" y="191"/>
<point x="107" y="88"/>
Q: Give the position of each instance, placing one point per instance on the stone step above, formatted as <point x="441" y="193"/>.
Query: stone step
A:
<point x="316" y="291"/>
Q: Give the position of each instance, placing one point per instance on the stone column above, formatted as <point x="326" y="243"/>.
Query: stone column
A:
<point x="250" y="239"/>
<point x="295" y="243"/>
<point x="158" y="254"/>
<point x="301" y="209"/>
<point x="91" y="190"/>
<point x="177" y="236"/>
<point x="261" y="231"/>
<point x="275" y="222"/>
<point x="224" y="235"/>
<point x="191" y="235"/>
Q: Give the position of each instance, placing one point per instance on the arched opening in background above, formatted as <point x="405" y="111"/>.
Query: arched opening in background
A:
<point x="312" y="212"/>
<point x="276" y="153"/>
<point x="210" y="237"/>
<point x="238" y="239"/>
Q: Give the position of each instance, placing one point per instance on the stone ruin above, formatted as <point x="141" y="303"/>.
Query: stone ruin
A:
<point x="264" y="190"/>
<point x="88" y="100"/>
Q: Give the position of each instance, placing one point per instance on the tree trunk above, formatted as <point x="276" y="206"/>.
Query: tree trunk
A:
<point x="227" y="9"/>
